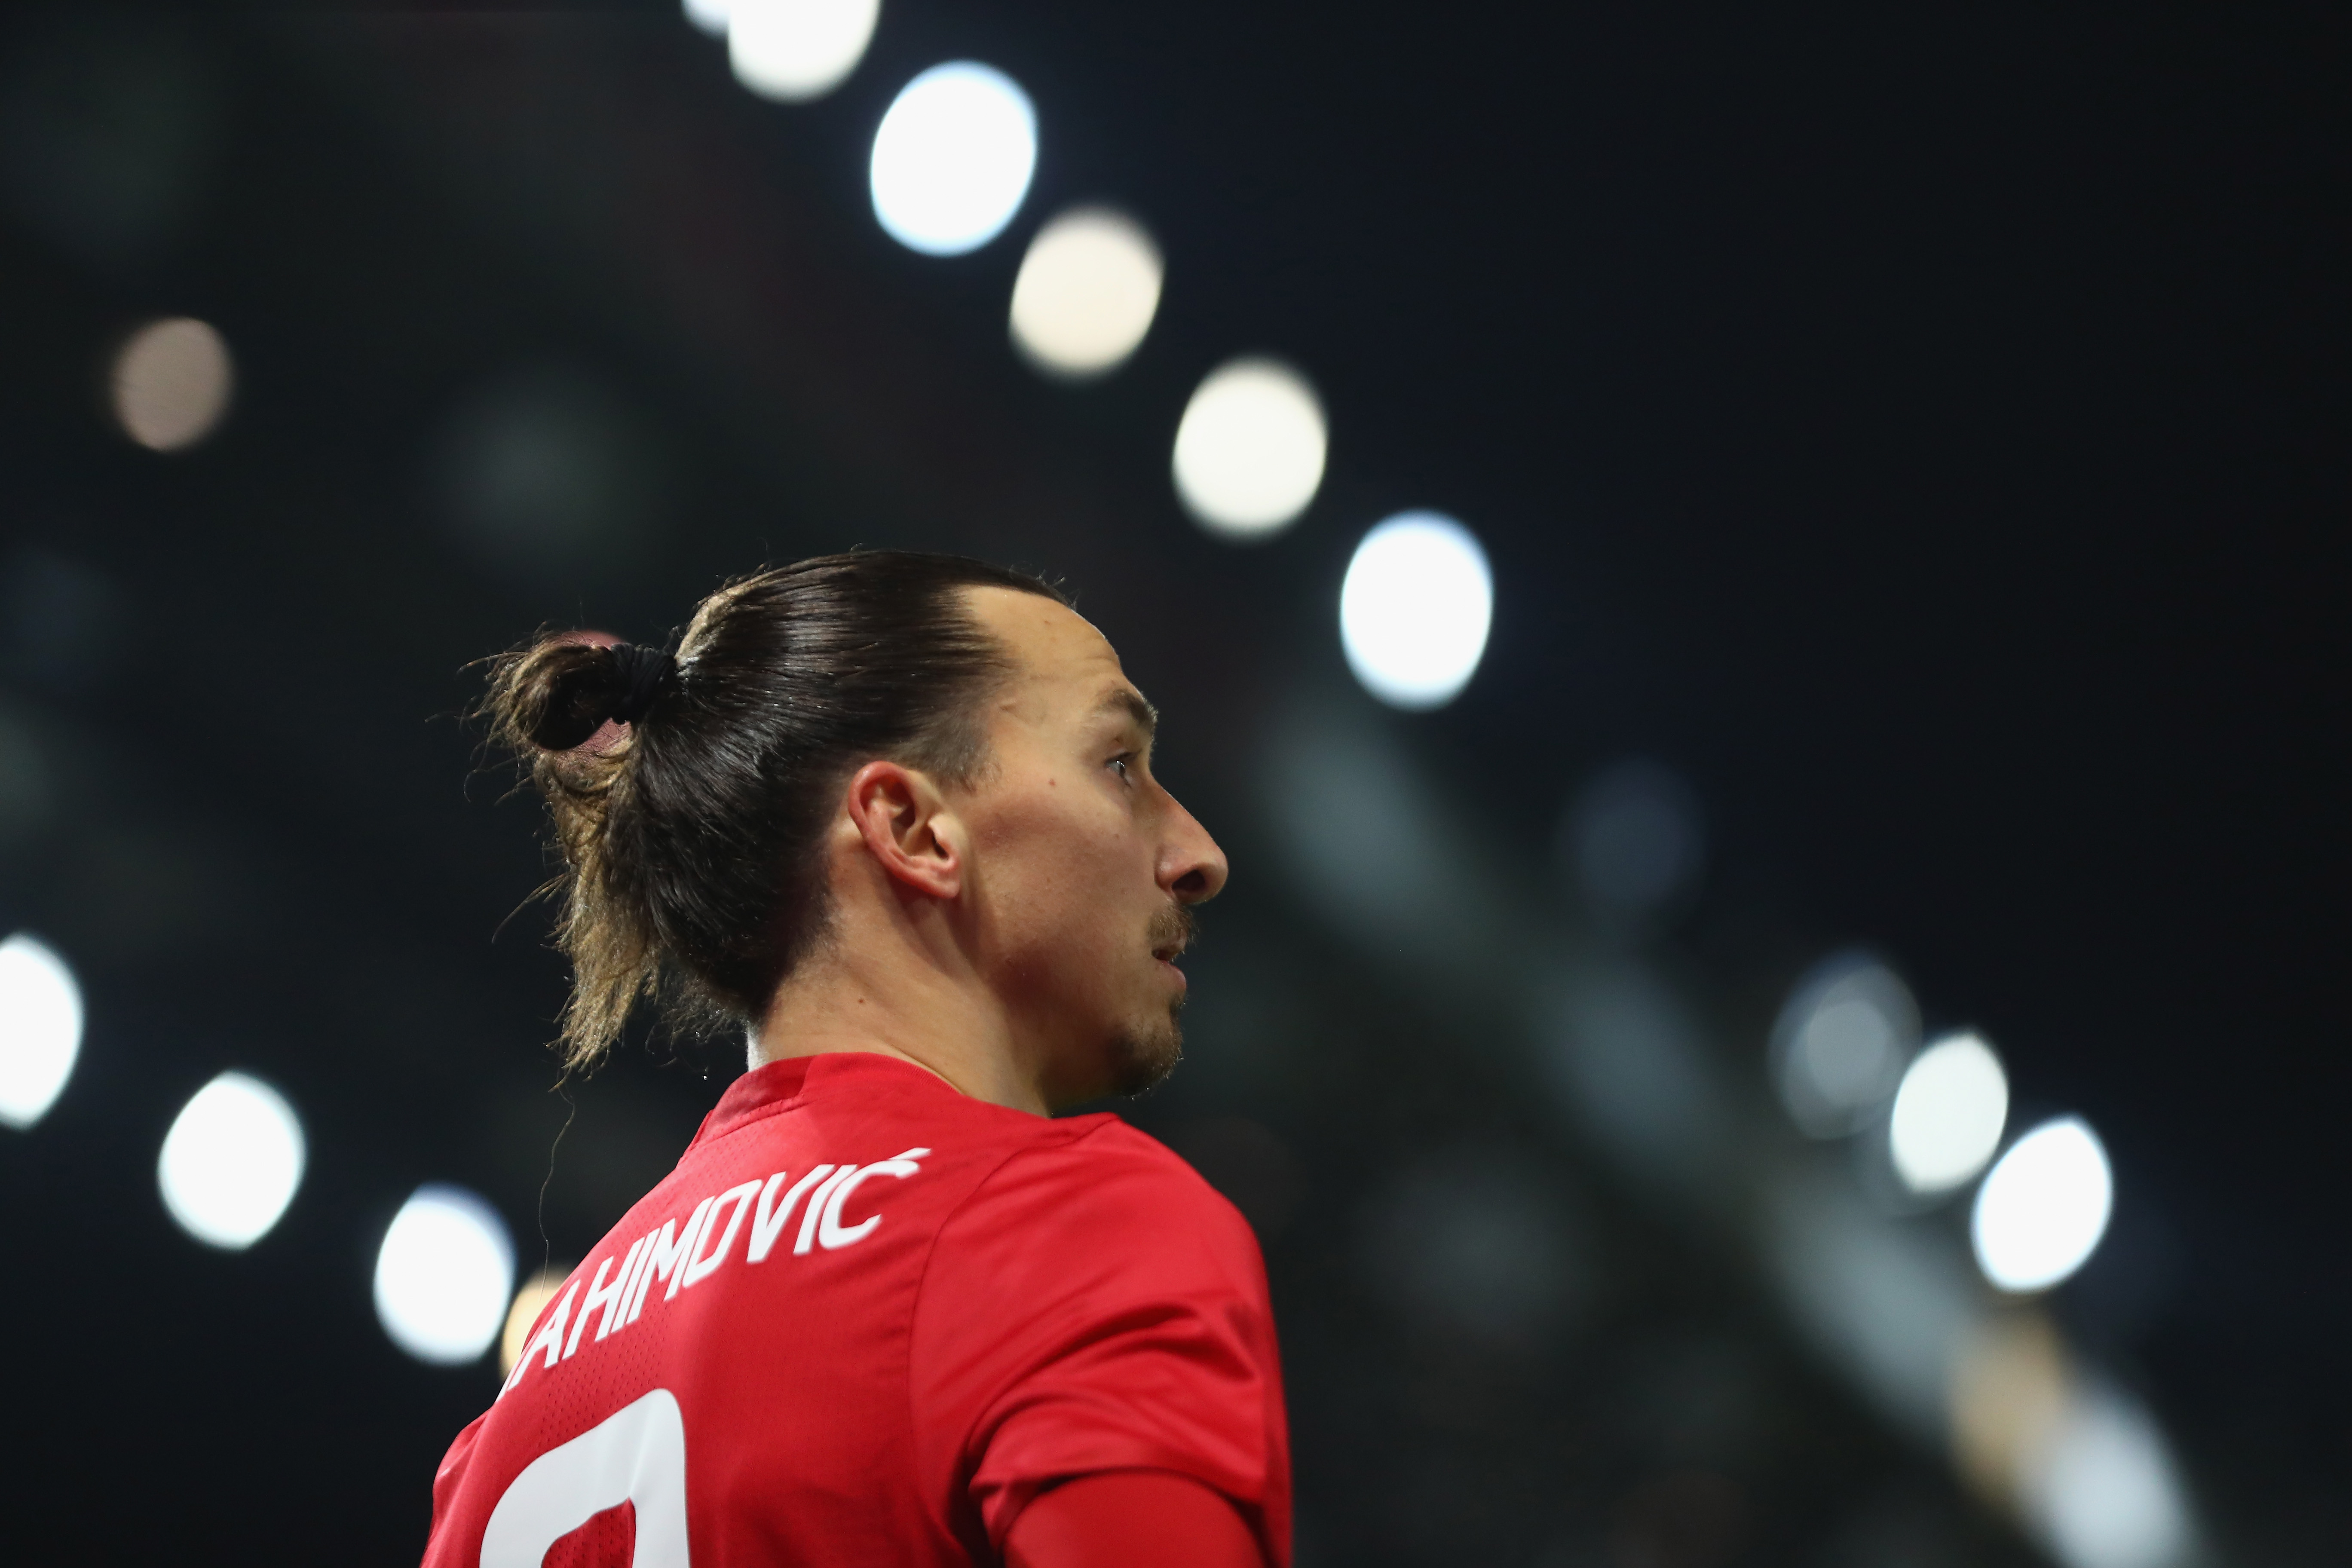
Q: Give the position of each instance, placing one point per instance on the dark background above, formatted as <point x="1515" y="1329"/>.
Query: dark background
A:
<point x="1922" y="430"/>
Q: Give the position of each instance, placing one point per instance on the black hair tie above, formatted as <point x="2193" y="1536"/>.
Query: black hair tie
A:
<point x="642" y="671"/>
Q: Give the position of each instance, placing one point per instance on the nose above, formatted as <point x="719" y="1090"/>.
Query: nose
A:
<point x="1192" y="867"/>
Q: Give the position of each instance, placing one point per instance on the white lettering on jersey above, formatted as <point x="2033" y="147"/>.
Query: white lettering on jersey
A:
<point x="636" y="1455"/>
<point x="667" y="1259"/>
<point x="658" y="1243"/>
<point x="550" y="1334"/>
<point x="766" y="1224"/>
<point x="816" y="1202"/>
<point x="691" y="1256"/>
<point x="629" y="1290"/>
<point x="696" y="1224"/>
<point x="830" y="1233"/>
<point x="699" y="1268"/>
<point x="620" y="1295"/>
<point x="598" y="1293"/>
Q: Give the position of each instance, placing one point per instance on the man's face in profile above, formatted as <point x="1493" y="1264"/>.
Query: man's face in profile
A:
<point x="1084" y="870"/>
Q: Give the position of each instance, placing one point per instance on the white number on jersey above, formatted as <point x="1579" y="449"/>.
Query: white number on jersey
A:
<point x="636" y="1455"/>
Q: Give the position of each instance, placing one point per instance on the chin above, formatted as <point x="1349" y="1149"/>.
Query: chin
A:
<point x="1141" y="1058"/>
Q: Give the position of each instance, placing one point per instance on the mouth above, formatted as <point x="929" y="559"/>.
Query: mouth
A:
<point x="1170" y="936"/>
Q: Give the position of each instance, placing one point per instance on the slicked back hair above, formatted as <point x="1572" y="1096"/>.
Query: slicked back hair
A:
<point x="690" y="800"/>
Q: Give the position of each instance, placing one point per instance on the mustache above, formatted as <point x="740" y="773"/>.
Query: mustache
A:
<point x="1174" y="928"/>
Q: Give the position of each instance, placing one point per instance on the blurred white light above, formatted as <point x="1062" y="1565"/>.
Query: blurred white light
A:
<point x="1415" y="609"/>
<point x="1250" y="448"/>
<point x="1840" y="1043"/>
<point x="2044" y="1207"/>
<point x="443" y="1276"/>
<point x="711" y="16"/>
<point x="171" y="383"/>
<point x="1948" y="1114"/>
<point x="2102" y="1492"/>
<point x="1087" y="292"/>
<point x="40" y="1029"/>
<point x="952" y="158"/>
<point x="794" y="51"/>
<point x="231" y="1162"/>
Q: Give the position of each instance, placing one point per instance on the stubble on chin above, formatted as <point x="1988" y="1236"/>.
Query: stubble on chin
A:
<point x="1140" y="1060"/>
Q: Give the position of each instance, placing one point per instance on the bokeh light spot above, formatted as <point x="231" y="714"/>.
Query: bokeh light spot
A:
<point x="171" y="383"/>
<point x="40" y="1029"/>
<point x="231" y="1162"/>
<point x="1838" y="1046"/>
<point x="2103" y="1492"/>
<point x="443" y="1275"/>
<point x="1250" y="448"/>
<point x="1415" y="609"/>
<point x="2044" y="1207"/>
<point x="952" y="158"/>
<point x="1087" y="292"/>
<point x="795" y="50"/>
<point x="1948" y="1114"/>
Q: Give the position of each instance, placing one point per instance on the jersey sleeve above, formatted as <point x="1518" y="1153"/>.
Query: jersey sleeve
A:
<point x="439" y="1548"/>
<point x="1095" y="1306"/>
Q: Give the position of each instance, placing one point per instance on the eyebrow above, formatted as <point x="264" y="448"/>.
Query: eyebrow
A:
<point x="1129" y="701"/>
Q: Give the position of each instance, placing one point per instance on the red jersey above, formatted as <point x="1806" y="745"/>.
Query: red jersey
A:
<point x="865" y="1321"/>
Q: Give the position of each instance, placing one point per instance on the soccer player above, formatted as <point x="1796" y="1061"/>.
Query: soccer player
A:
<point x="894" y="815"/>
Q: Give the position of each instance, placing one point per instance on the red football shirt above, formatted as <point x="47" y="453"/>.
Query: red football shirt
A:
<point x="864" y="1322"/>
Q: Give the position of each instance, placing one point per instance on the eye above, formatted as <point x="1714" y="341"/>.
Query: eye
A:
<point x="1120" y="763"/>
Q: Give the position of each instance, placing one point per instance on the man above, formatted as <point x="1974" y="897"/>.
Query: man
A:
<point x="896" y="813"/>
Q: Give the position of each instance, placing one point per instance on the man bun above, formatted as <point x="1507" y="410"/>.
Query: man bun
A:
<point x="557" y="696"/>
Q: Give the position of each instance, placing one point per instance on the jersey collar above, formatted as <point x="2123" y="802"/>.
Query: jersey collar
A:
<point x="779" y="1086"/>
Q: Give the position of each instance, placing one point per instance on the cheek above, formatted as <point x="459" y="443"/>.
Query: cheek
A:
<point x="1062" y="869"/>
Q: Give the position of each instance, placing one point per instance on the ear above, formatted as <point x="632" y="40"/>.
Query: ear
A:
<point x="907" y="828"/>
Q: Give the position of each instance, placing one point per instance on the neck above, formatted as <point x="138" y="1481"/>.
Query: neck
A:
<point x="892" y="999"/>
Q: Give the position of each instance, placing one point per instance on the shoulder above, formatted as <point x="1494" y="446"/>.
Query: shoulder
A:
<point x="1094" y="1305"/>
<point x="1102" y="1201"/>
<point x="1102" y="1171"/>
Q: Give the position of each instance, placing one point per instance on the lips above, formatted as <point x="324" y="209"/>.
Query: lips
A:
<point x="1171" y="934"/>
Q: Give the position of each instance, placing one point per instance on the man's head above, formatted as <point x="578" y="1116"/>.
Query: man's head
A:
<point x="954" y="729"/>
<point x="1061" y="869"/>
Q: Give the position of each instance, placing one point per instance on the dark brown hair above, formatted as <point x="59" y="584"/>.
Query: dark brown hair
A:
<point x="691" y="837"/>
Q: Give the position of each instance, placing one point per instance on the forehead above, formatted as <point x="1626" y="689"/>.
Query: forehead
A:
<point x="1055" y="651"/>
